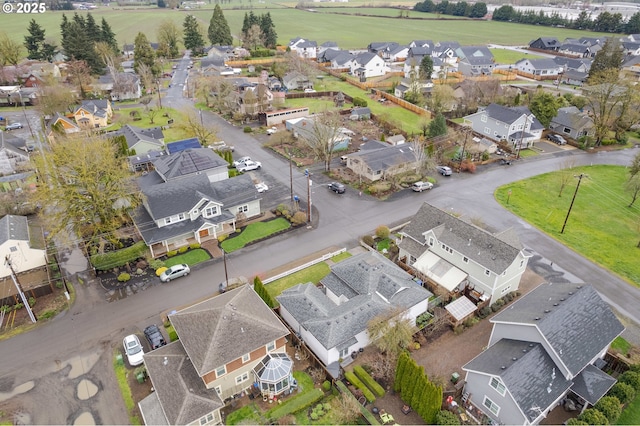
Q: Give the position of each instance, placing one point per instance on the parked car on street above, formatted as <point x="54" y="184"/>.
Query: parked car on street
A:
<point x="241" y="160"/>
<point x="133" y="350"/>
<point x="13" y="126"/>
<point x="557" y="139"/>
<point x="154" y="337"/>
<point x="444" y="170"/>
<point x="421" y="186"/>
<point x="221" y="146"/>
<point x="337" y="187"/>
<point x="248" y="166"/>
<point x="505" y="161"/>
<point x="176" y="271"/>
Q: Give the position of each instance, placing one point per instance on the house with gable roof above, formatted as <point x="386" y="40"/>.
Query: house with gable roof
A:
<point x="457" y="256"/>
<point x="545" y="43"/>
<point x="632" y="67"/>
<point x="475" y="60"/>
<point x="332" y="318"/>
<point x="93" y="114"/>
<point x="139" y="140"/>
<point x="367" y="64"/>
<point x="516" y="125"/>
<point x="572" y="122"/>
<point x="62" y="124"/>
<point x="376" y="160"/>
<point x="226" y="344"/>
<point x="304" y="48"/>
<point x="15" y="244"/>
<point x="543" y="69"/>
<point x="12" y="158"/>
<point x="546" y="348"/>
<point x="189" y="198"/>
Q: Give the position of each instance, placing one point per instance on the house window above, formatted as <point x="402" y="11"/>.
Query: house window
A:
<point x="483" y="118"/>
<point x="246" y="358"/>
<point x="242" y="378"/>
<point x="431" y="241"/>
<point x="211" y="211"/>
<point x="243" y="209"/>
<point x="465" y="259"/>
<point x="221" y="371"/>
<point x="174" y="218"/>
<point x="13" y="248"/>
<point x="491" y="405"/>
<point x="447" y="248"/>
<point x="506" y="289"/>
<point x="497" y="385"/>
<point x="487" y="130"/>
<point x="218" y="390"/>
<point x="271" y="346"/>
<point x="487" y="272"/>
<point x="522" y="263"/>
<point x="206" y="419"/>
<point x="412" y="260"/>
<point x="344" y="352"/>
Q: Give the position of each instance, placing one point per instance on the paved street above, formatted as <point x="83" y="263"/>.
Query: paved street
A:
<point x="91" y="329"/>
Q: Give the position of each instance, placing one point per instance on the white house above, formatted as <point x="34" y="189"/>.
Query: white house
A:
<point x="367" y="64"/>
<point x="14" y="244"/>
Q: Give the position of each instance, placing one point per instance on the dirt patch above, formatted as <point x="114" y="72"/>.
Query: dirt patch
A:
<point x="45" y="307"/>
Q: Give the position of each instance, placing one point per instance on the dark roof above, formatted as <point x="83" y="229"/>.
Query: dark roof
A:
<point x="365" y="57"/>
<point x="14" y="227"/>
<point x="475" y="55"/>
<point x="592" y="384"/>
<point x="187" y="162"/>
<point x="547" y="41"/>
<point x="535" y="124"/>
<point x="576" y="48"/>
<point x="226" y="327"/>
<point x="133" y="135"/>
<point x="387" y="156"/>
<point x="572" y="63"/>
<point x="573" y="318"/>
<point x="541" y="64"/>
<point x="572" y="117"/>
<point x="527" y="371"/>
<point x="182" y="145"/>
<point x="181" y="392"/>
<point x="494" y="252"/>
<point x="502" y="113"/>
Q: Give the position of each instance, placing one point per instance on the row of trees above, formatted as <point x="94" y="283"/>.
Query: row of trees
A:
<point x="422" y="395"/>
<point x="605" y="22"/>
<point x="258" y="31"/>
<point x="461" y="8"/>
<point x="84" y="40"/>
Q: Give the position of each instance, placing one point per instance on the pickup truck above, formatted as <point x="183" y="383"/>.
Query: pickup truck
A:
<point x="248" y="166"/>
<point x="221" y="146"/>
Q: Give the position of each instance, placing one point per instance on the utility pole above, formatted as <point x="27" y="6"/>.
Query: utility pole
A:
<point x="159" y="98"/>
<point x="572" y="200"/>
<point x="467" y="130"/>
<point x="308" y="175"/>
<point x="25" y="302"/>
<point x="291" y="175"/>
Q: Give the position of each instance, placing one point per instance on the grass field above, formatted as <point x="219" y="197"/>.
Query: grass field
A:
<point x="508" y="57"/>
<point x="601" y="226"/>
<point x="253" y="232"/>
<point x="345" y="28"/>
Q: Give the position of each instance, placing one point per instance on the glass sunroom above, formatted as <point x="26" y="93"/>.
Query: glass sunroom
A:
<point x="273" y="374"/>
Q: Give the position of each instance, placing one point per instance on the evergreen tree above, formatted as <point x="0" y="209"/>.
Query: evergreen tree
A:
<point x="438" y="126"/>
<point x="426" y="67"/>
<point x="419" y="388"/>
<point x="34" y="41"/>
<point x="400" y="368"/>
<point x="48" y="51"/>
<point x="249" y="21"/>
<point x="544" y="106"/>
<point x="409" y="381"/>
<point x="633" y="24"/>
<point x="79" y="19"/>
<point x="143" y="54"/>
<point x="108" y="36"/>
<point x="269" y="31"/>
<point x="219" y="32"/>
<point x="192" y="37"/>
<point x="92" y="29"/>
<point x="609" y="57"/>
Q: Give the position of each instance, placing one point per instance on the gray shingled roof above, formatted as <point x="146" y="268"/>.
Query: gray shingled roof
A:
<point x="542" y="63"/>
<point x="14" y="227"/>
<point x="477" y="244"/>
<point x="134" y="134"/>
<point x="179" y="389"/>
<point x="387" y="156"/>
<point x="475" y="55"/>
<point x="502" y="113"/>
<point x="527" y="372"/>
<point x="223" y="328"/>
<point x="572" y="117"/>
<point x="365" y="57"/>
<point x="188" y="162"/>
<point x="573" y="318"/>
<point x="366" y="280"/>
<point x="592" y="384"/>
<point x="535" y="124"/>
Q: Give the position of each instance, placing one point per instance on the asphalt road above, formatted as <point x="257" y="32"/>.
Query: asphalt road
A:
<point x="339" y="221"/>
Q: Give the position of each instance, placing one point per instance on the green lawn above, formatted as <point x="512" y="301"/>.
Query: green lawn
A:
<point x="620" y="344"/>
<point x="340" y="257"/>
<point x="249" y="414"/>
<point x="191" y="257"/>
<point x="312" y="274"/>
<point x="631" y="413"/>
<point x="175" y="132"/>
<point x="508" y="57"/>
<point x="601" y="226"/>
<point x="254" y="232"/>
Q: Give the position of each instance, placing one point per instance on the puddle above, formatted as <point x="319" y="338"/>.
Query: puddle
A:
<point x="25" y="387"/>
<point x="82" y="364"/>
<point x="86" y="389"/>
<point x="85" y="418"/>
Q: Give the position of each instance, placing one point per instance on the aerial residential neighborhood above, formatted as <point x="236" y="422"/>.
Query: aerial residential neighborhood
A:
<point x="241" y="214"/>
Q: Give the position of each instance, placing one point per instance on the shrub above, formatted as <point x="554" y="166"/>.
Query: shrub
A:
<point x="359" y="102"/>
<point x="593" y="417"/>
<point x="297" y="403"/>
<point x="221" y="238"/>
<point x="326" y="385"/>
<point x="32" y="301"/>
<point x="368" y="380"/>
<point x="156" y="264"/>
<point x="299" y="218"/>
<point x="160" y="270"/>
<point x="368" y="240"/>
<point x="18" y="306"/>
<point x="103" y="262"/>
<point x="173" y="336"/>
<point x="610" y="407"/>
<point x="468" y="166"/>
<point x="247" y="129"/>
<point x="623" y="391"/>
<point x="575" y="422"/>
<point x="314" y="415"/>
<point x="631" y="378"/>
<point x="172" y="253"/>
<point x="5" y="308"/>
<point x="447" y="418"/>
<point x="47" y="314"/>
<point x="59" y="284"/>
<point x="458" y="329"/>
<point x="382" y="232"/>
<point x="124" y="277"/>
<point x="194" y="246"/>
<point x="183" y="249"/>
<point x="485" y="312"/>
<point x="357" y="383"/>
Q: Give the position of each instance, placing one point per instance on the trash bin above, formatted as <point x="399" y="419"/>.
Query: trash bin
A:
<point x="119" y="360"/>
<point x="455" y="377"/>
<point x="140" y="377"/>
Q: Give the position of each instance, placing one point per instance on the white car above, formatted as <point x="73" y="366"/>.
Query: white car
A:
<point x="421" y="186"/>
<point x="221" y="146"/>
<point x="176" y="271"/>
<point x="248" y="166"/>
<point x="240" y="161"/>
<point x="133" y="349"/>
<point x="272" y="130"/>
<point x="262" y="187"/>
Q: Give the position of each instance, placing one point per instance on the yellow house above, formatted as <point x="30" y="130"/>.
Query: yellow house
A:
<point x="93" y="114"/>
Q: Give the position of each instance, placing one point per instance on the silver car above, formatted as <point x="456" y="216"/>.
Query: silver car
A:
<point x="176" y="271"/>
<point x="133" y="349"/>
<point x="444" y="170"/>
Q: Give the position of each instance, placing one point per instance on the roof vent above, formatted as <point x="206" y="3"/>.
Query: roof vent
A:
<point x="503" y="368"/>
<point x="555" y="304"/>
<point x="536" y="318"/>
<point x="242" y="329"/>
<point x="530" y="345"/>
<point x="562" y="299"/>
<point x="469" y="243"/>
<point x="524" y="351"/>
<point x="165" y="361"/>
<point x="514" y="359"/>
<point x="546" y="311"/>
<point x="570" y="293"/>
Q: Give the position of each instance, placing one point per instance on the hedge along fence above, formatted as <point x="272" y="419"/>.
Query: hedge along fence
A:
<point x="297" y="403"/>
<point x="368" y="380"/>
<point x="357" y="383"/>
<point x="103" y="262"/>
<point x="371" y="419"/>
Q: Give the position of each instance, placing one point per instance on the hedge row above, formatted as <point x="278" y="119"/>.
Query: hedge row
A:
<point x="114" y="259"/>
<point x="368" y="380"/>
<point x="371" y="419"/>
<point x="297" y="403"/>
<point x="357" y="383"/>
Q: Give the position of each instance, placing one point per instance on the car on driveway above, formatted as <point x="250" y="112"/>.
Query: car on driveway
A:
<point x="421" y="186"/>
<point x="557" y="139"/>
<point x="337" y="187"/>
<point x="176" y="271"/>
<point x="241" y="160"/>
<point x="444" y="170"/>
<point x="13" y="126"/>
<point x="133" y="350"/>
<point x="248" y="166"/>
<point x="154" y="337"/>
<point x="262" y="187"/>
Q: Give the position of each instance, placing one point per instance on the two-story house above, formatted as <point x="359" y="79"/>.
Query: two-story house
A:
<point x="475" y="60"/>
<point x="572" y="122"/>
<point x="551" y="44"/>
<point x="454" y="254"/>
<point x="516" y="125"/>
<point x="367" y="64"/>
<point x="93" y="114"/>
<point x="189" y="198"/>
<point x="304" y="48"/>
<point x="332" y="319"/>
<point x="15" y="245"/>
<point x="548" y="347"/>
<point x="226" y="344"/>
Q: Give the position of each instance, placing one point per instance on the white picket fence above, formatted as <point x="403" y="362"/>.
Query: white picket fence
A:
<point x="306" y="265"/>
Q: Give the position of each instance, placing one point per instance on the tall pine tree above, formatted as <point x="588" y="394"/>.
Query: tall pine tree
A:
<point x="192" y="37"/>
<point x="219" y="32"/>
<point x="108" y="36"/>
<point x="143" y="54"/>
<point x="34" y="41"/>
<point x="400" y="369"/>
<point x="268" y="31"/>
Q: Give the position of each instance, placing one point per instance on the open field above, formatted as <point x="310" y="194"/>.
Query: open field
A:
<point x="345" y="29"/>
<point x="508" y="57"/>
<point x="601" y="226"/>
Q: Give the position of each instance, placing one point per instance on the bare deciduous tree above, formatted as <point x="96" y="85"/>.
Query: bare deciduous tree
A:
<point x="633" y="187"/>
<point x="565" y="173"/>
<point x="194" y="128"/>
<point x="349" y="409"/>
<point x="322" y="136"/>
<point x="391" y="332"/>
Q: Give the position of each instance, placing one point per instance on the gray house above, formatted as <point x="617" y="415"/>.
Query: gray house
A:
<point x="378" y="160"/>
<point x="544" y="68"/>
<point x="141" y="140"/>
<point x="190" y="199"/>
<point x="517" y="125"/>
<point x="475" y="60"/>
<point x="455" y="255"/>
<point x="545" y="43"/>
<point x="572" y="122"/>
<point x="545" y="350"/>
